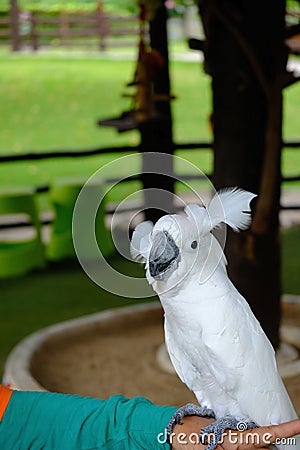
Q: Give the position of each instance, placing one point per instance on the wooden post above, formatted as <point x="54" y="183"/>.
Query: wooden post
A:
<point x="15" y="26"/>
<point x="33" y="32"/>
<point x="102" y="26"/>
<point x="63" y="28"/>
<point x="156" y="133"/>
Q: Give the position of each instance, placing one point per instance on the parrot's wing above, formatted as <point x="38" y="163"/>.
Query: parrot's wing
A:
<point x="140" y="243"/>
<point x="243" y="362"/>
<point x="197" y="379"/>
<point x="181" y="363"/>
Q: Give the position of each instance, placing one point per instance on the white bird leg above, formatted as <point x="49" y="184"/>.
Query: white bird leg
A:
<point x="213" y="434"/>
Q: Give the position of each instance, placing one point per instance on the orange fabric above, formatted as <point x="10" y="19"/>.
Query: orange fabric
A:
<point x="5" y="395"/>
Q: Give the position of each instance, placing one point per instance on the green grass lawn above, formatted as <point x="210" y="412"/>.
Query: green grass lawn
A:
<point x="54" y="103"/>
<point x="51" y="102"/>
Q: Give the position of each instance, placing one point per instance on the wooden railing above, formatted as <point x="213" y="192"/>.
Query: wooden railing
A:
<point x="131" y="149"/>
<point x="26" y="29"/>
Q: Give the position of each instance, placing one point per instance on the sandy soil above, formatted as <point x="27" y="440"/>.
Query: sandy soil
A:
<point x="122" y="359"/>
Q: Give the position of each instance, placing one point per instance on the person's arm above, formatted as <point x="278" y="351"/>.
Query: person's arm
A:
<point x="185" y="436"/>
<point x="35" y="420"/>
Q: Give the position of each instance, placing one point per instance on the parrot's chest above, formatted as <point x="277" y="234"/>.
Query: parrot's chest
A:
<point x="194" y="319"/>
<point x="198" y="309"/>
<point x="189" y="326"/>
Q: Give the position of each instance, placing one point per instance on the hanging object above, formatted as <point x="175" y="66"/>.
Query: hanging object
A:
<point x="149" y="63"/>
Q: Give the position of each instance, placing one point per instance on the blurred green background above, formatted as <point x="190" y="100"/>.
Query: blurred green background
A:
<point x="52" y="100"/>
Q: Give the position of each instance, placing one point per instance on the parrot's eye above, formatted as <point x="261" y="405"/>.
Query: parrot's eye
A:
<point x="194" y="244"/>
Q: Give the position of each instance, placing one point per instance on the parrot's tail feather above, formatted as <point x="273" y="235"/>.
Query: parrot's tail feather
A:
<point x="232" y="206"/>
<point x="140" y="241"/>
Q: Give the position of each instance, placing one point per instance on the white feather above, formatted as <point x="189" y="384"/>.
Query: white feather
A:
<point x="231" y="206"/>
<point x="140" y="242"/>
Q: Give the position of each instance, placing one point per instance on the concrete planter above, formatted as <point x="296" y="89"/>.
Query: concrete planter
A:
<point x="23" y="366"/>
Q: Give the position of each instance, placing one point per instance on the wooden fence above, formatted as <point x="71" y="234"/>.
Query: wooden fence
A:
<point x="38" y="156"/>
<point x="24" y="29"/>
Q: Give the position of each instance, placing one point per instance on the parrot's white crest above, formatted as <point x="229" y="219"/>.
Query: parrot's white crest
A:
<point x="215" y="343"/>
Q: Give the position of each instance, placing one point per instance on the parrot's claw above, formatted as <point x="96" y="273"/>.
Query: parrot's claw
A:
<point x="188" y="410"/>
<point x="213" y="434"/>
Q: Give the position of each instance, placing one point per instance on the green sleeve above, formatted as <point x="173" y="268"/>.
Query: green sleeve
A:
<point x="49" y="421"/>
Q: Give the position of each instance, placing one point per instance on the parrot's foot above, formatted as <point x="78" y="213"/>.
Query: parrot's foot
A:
<point x="188" y="410"/>
<point x="214" y="433"/>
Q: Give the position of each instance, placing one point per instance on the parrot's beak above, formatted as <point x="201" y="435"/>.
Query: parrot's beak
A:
<point x="164" y="256"/>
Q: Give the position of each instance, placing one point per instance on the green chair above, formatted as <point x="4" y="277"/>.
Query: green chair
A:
<point x="18" y="254"/>
<point x="63" y="195"/>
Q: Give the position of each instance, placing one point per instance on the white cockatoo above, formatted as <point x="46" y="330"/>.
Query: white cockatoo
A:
<point x="214" y="341"/>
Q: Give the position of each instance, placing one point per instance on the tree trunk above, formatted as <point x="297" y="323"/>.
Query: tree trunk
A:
<point x="246" y="57"/>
